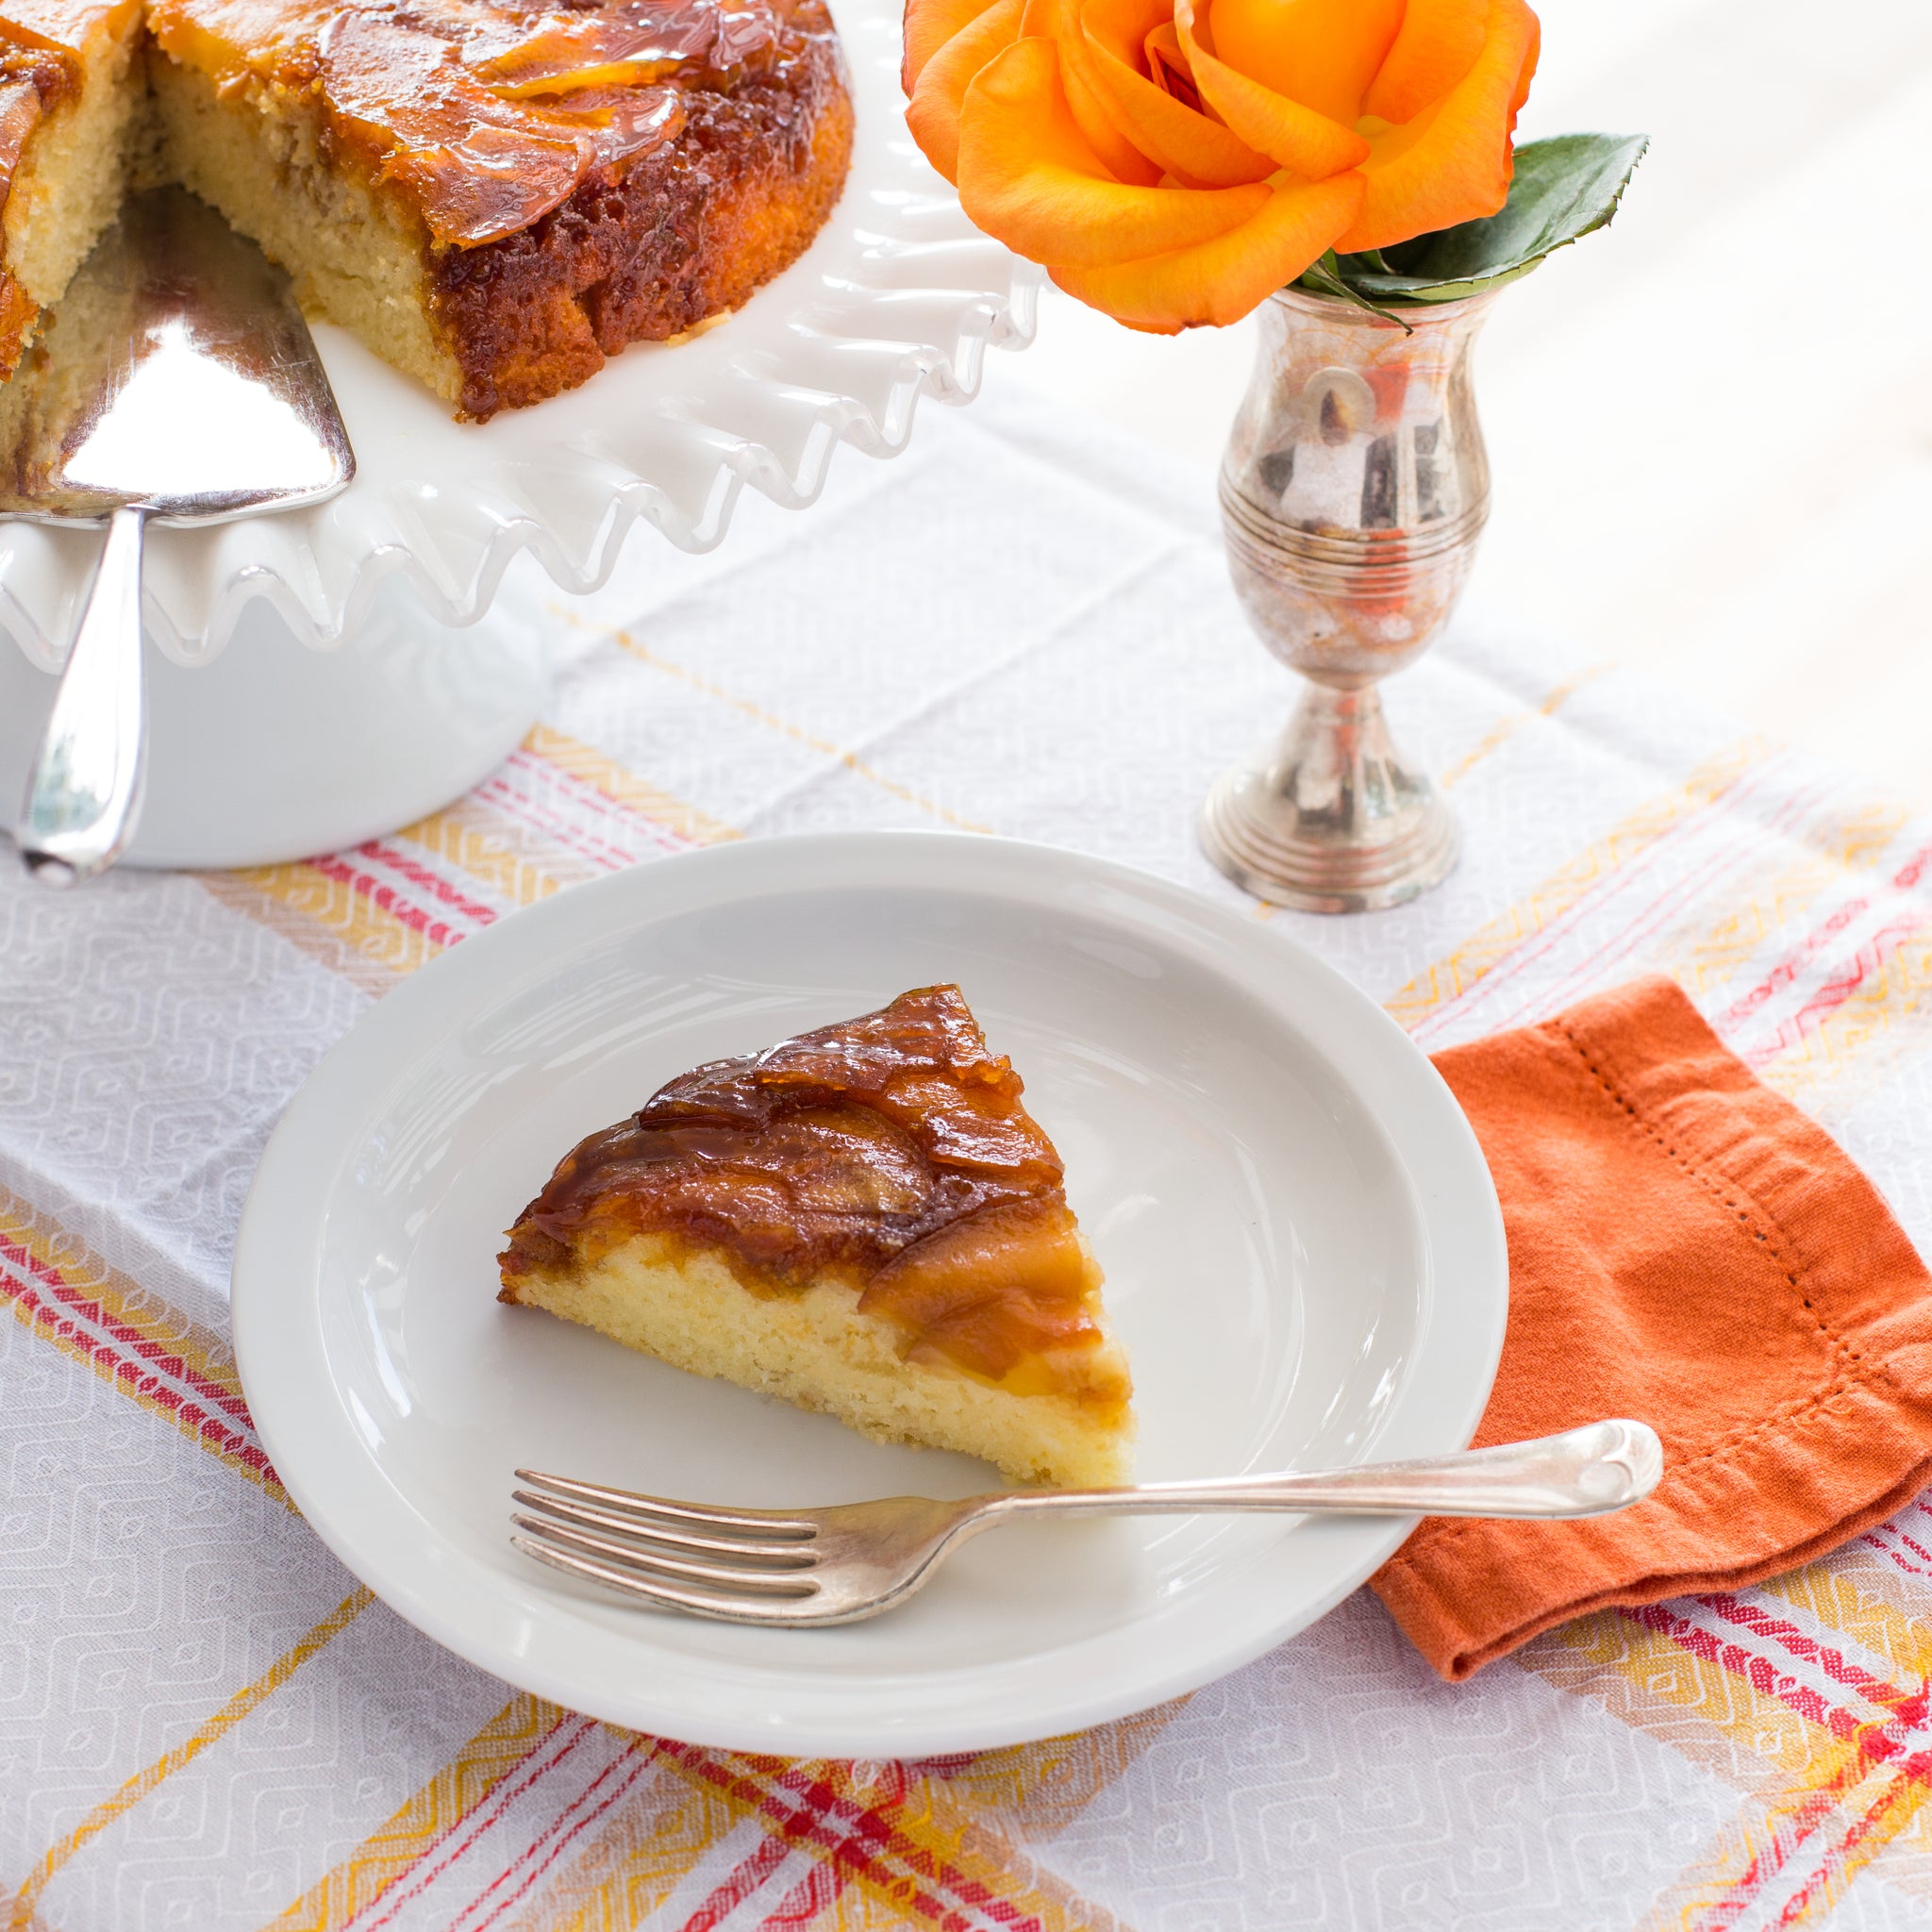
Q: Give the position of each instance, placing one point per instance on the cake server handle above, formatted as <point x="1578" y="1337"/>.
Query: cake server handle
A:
<point x="84" y="789"/>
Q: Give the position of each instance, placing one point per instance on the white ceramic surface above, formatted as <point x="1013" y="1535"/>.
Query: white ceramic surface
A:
<point x="275" y="751"/>
<point x="1303" y="1249"/>
<point x="897" y="298"/>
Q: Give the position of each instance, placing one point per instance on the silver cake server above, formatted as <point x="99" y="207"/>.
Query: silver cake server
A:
<point x="177" y="381"/>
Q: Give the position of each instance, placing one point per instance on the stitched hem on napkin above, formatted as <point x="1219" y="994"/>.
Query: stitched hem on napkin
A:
<point x="1688" y="1248"/>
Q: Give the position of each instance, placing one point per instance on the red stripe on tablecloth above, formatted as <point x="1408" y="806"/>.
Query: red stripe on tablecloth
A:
<point x="149" y="1351"/>
<point x="586" y="797"/>
<point x="1758" y="1670"/>
<point x="1867" y="959"/>
<point x="474" y="1824"/>
<point x="1610" y="886"/>
<point x="1872" y="1748"/>
<point x="429" y="879"/>
<point x="631" y="1764"/>
<point x="815" y="1894"/>
<point x="1834" y="1663"/>
<point x="1788" y="967"/>
<point x="738" y="1885"/>
<point x="1873" y="1537"/>
<point x="1870" y="958"/>
<point x="858" y="1846"/>
<point x="1667" y="902"/>
<point x="436" y="930"/>
<point x="68" y="1334"/>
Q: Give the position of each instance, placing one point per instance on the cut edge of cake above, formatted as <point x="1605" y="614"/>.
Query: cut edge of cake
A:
<point x="255" y="153"/>
<point x="66" y="186"/>
<point x="816" y="1349"/>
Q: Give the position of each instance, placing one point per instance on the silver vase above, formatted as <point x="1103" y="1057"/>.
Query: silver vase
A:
<point x="1352" y="494"/>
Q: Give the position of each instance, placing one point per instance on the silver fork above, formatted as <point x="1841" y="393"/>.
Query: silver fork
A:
<point x="852" y="1560"/>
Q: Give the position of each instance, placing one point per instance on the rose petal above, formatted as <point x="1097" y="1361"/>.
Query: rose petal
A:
<point x="1323" y="54"/>
<point x="1088" y="99"/>
<point x="1195" y="150"/>
<point x="1030" y="179"/>
<point x="933" y="112"/>
<point x="1439" y="43"/>
<point x="929" y="25"/>
<point x="1122" y="26"/>
<point x="1218" y="281"/>
<point x="1295" y="136"/>
<point x="1452" y="162"/>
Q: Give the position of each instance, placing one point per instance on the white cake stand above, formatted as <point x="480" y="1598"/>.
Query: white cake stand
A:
<point x="322" y="677"/>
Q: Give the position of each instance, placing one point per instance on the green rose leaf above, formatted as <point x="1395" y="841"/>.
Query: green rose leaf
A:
<point x="1562" y="189"/>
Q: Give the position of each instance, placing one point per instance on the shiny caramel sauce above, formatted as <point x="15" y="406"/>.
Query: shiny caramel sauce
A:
<point x="488" y="113"/>
<point x="892" y="1152"/>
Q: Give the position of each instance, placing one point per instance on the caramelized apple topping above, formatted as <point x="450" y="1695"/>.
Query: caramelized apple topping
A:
<point x="892" y="1149"/>
<point x="489" y="112"/>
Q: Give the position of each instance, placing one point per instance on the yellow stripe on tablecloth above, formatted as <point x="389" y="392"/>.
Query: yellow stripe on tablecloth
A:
<point x="1798" y="1773"/>
<point x="1717" y="1719"/>
<point x="471" y="836"/>
<point x="760" y="714"/>
<point x="328" y="918"/>
<point x="1478" y="955"/>
<point x="1500" y="733"/>
<point x="344" y="929"/>
<point x="249" y="1698"/>
<point x="449" y="1797"/>
<point x="154" y="1321"/>
<point x="1893" y="1003"/>
<point x="586" y="764"/>
<point x="622" y="1872"/>
<point x="1854" y="844"/>
<point x="926" y="1842"/>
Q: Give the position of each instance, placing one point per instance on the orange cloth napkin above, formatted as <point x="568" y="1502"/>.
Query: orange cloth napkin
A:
<point x="1688" y="1248"/>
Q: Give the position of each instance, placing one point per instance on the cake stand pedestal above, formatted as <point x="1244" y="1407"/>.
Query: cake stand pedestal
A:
<point x="275" y="751"/>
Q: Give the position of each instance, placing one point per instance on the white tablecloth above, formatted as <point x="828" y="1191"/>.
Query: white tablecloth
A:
<point x="1019" y="626"/>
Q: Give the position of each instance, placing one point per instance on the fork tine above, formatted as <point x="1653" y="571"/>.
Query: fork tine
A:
<point x="769" y="1523"/>
<point x="740" y="1611"/>
<point x="752" y="1549"/>
<point x="628" y="1558"/>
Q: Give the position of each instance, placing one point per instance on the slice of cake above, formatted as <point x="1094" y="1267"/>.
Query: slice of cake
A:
<point x="496" y="196"/>
<point x="71" y="94"/>
<point x="864" y="1220"/>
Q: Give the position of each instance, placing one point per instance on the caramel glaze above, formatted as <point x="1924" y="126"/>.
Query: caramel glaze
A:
<point x="890" y="1152"/>
<point x="743" y="177"/>
<point x="587" y="174"/>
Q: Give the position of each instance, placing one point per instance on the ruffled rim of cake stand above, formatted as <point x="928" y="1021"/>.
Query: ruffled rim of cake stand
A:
<point x="898" y="299"/>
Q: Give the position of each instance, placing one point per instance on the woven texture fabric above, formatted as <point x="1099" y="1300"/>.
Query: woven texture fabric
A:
<point x="206" y="1723"/>
<point x="1689" y="1247"/>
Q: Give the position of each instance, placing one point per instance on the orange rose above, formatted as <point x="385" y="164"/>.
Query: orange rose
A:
<point x="1175" y="161"/>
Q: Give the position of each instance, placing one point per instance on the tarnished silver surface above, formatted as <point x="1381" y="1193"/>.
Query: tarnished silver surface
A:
<point x="839" y="1565"/>
<point x="177" y="381"/>
<point x="1353" y="492"/>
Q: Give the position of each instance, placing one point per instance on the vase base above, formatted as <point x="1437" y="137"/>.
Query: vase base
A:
<point x="1334" y="822"/>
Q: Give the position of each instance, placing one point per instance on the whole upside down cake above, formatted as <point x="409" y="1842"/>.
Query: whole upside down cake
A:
<point x="495" y="195"/>
<point x="864" y="1220"/>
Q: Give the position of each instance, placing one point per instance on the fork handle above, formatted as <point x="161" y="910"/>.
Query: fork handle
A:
<point x="83" y="795"/>
<point x="1586" y="1471"/>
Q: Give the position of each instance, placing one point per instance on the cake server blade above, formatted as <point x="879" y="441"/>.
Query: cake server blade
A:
<point x="177" y="382"/>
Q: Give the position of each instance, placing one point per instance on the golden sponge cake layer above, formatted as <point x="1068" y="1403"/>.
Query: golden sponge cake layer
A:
<point x="70" y="97"/>
<point x="816" y="1348"/>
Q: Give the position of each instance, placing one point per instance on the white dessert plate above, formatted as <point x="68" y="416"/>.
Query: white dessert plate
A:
<point x="1303" y="1250"/>
<point x="897" y="298"/>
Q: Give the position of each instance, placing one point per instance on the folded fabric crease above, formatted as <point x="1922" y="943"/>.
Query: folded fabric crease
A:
<point x="1688" y="1248"/>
